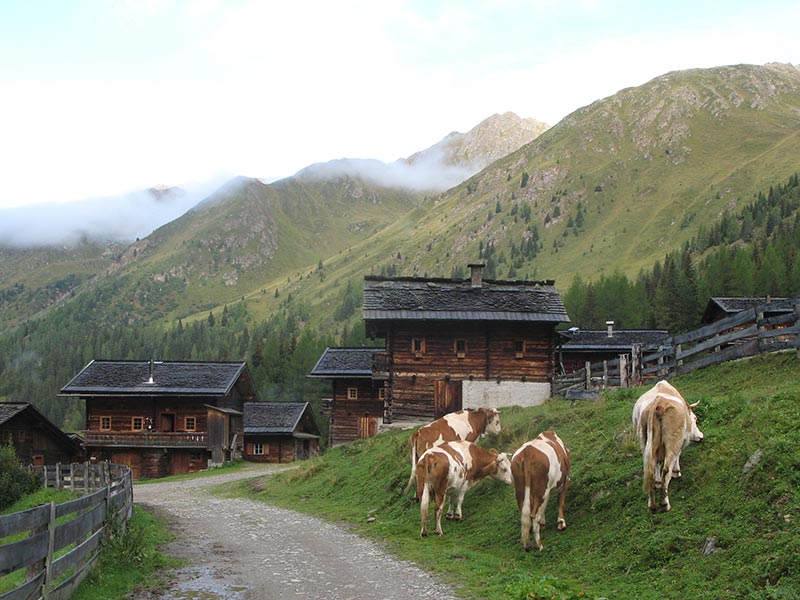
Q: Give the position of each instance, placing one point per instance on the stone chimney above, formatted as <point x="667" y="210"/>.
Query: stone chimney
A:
<point x="152" y="369"/>
<point x="610" y="328"/>
<point x="476" y="270"/>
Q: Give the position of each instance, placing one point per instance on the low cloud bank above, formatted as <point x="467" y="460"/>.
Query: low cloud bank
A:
<point x="113" y="219"/>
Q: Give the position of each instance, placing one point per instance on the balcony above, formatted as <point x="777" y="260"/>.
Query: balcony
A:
<point x="145" y="439"/>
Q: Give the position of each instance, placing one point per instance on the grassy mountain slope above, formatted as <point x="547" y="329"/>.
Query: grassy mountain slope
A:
<point x="612" y="547"/>
<point x="614" y="186"/>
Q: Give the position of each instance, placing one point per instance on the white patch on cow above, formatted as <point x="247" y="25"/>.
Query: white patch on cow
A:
<point x="460" y="424"/>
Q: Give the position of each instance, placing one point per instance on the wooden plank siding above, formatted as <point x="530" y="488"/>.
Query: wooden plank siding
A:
<point x="490" y="352"/>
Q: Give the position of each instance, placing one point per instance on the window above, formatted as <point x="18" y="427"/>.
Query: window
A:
<point x="352" y="393"/>
<point x="519" y="348"/>
<point x="105" y="423"/>
<point x="21" y="437"/>
<point x="190" y="423"/>
<point x="418" y="346"/>
<point x="460" y="348"/>
<point x="382" y="393"/>
<point x="137" y="423"/>
<point x="258" y="448"/>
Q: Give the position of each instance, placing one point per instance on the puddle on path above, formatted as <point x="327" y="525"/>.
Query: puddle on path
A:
<point x="202" y="584"/>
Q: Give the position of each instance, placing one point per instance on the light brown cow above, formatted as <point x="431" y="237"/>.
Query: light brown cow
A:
<point x="448" y="471"/>
<point x="663" y="387"/>
<point x="539" y="467"/>
<point x="463" y="425"/>
<point x="666" y="425"/>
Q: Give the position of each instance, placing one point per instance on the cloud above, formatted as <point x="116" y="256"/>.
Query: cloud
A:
<point x="113" y="219"/>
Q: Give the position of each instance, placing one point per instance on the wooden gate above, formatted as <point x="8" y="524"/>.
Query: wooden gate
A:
<point x="446" y="397"/>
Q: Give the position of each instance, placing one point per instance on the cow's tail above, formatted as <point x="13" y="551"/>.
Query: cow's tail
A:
<point x="654" y="440"/>
<point x="413" y="444"/>
<point x="525" y="509"/>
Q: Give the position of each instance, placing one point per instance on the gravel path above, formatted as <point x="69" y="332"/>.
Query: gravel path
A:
<point x="246" y="550"/>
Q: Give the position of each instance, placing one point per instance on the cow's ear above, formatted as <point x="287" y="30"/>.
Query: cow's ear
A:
<point x="695" y="405"/>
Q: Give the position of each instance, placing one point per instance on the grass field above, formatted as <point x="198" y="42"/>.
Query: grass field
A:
<point x="613" y="547"/>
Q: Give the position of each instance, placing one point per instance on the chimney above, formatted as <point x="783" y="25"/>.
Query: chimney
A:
<point x="610" y="327"/>
<point x="477" y="274"/>
<point x="152" y="368"/>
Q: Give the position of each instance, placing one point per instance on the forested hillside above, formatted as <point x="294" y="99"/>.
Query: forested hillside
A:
<point x="753" y="253"/>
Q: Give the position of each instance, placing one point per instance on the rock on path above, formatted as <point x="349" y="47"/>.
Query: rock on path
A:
<point x="245" y="550"/>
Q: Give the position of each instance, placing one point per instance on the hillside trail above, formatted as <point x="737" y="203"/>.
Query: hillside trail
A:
<point x="240" y="549"/>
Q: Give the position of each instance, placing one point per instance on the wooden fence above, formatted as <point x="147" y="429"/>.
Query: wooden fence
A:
<point x="63" y="541"/>
<point x="766" y="328"/>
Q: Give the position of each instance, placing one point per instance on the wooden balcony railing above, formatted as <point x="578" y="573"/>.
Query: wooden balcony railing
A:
<point x="157" y="439"/>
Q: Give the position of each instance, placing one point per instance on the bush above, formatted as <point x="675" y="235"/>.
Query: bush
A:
<point x="15" y="482"/>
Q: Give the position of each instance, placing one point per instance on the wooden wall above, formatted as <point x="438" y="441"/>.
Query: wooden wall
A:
<point x="279" y="448"/>
<point x="33" y="443"/>
<point x="490" y="353"/>
<point x="354" y="419"/>
<point x="122" y="410"/>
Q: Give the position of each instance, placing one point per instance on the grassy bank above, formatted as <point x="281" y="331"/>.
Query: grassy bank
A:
<point x="613" y="547"/>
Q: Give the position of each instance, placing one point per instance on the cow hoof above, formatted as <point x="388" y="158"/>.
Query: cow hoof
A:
<point x="540" y="547"/>
<point x="657" y="485"/>
<point x="676" y="474"/>
<point x="562" y="525"/>
<point x="424" y="534"/>
<point x="440" y="533"/>
<point x="665" y="507"/>
<point x="458" y="518"/>
<point x="527" y="548"/>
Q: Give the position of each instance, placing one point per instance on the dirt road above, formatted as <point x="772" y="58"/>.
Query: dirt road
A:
<point x="246" y="550"/>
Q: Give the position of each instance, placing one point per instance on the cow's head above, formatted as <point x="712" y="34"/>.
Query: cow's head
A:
<point x="503" y="472"/>
<point x="492" y="420"/>
<point x="695" y="435"/>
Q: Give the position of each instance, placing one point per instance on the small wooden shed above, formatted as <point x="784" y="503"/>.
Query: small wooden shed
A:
<point x="36" y="440"/>
<point x="279" y="432"/>
<point x="579" y="346"/>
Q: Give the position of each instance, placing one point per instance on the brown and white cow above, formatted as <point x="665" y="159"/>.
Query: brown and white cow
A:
<point x="463" y="425"/>
<point x="539" y="467"/>
<point x="448" y="470"/>
<point x="666" y="423"/>
<point x="664" y="388"/>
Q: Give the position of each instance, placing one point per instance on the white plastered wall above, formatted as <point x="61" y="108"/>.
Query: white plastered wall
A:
<point x="490" y="394"/>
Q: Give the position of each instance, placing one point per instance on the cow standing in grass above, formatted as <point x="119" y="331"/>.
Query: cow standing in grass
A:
<point x="539" y="467"/>
<point x="448" y="470"/>
<point x="463" y="425"/>
<point x="664" y="423"/>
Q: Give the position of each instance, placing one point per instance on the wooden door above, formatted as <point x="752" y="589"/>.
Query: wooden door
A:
<point x="446" y="397"/>
<point x="167" y="422"/>
<point x="367" y="427"/>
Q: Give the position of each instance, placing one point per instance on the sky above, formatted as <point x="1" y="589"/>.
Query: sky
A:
<point x="105" y="97"/>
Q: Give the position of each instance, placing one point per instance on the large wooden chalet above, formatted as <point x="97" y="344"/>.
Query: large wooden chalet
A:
<point x="449" y="344"/>
<point x="163" y="418"/>
<point x="36" y="440"/>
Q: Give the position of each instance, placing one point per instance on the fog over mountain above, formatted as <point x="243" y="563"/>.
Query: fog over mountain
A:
<point x="111" y="219"/>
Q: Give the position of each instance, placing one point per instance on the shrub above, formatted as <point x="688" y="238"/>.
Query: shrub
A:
<point x="15" y="482"/>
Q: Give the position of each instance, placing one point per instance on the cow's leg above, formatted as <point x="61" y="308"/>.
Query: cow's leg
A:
<point x="439" y="510"/>
<point x="537" y="513"/>
<point x="676" y="468"/>
<point x="459" y="501"/>
<point x="541" y="517"/>
<point x="451" y="505"/>
<point x="562" y="498"/>
<point x="665" y="506"/>
<point x="423" y="510"/>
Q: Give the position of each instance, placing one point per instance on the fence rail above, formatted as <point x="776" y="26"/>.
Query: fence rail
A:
<point x="766" y="328"/>
<point x="63" y="540"/>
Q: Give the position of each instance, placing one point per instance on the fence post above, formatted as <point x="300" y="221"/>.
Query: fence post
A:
<point x="72" y="476"/>
<point x="588" y="375"/>
<point x="797" y="326"/>
<point x="623" y="371"/>
<point x="51" y="542"/>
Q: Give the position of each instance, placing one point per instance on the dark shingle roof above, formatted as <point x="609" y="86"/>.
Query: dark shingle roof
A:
<point x="273" y="417"/>
<point x="347" y="362"/>
<point x="132" y="377"/>
<point x="734" y="305"/>
<point x="8" y="410"/>
<point x="622" y="338"/>
<point x="445" y="299"/>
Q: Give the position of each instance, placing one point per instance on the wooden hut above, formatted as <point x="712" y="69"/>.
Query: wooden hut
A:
<point x="36" y="440"/>
<point x="579" y="346"/>
<point x="357" y="405"/>
<point x="279" y="432"/>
